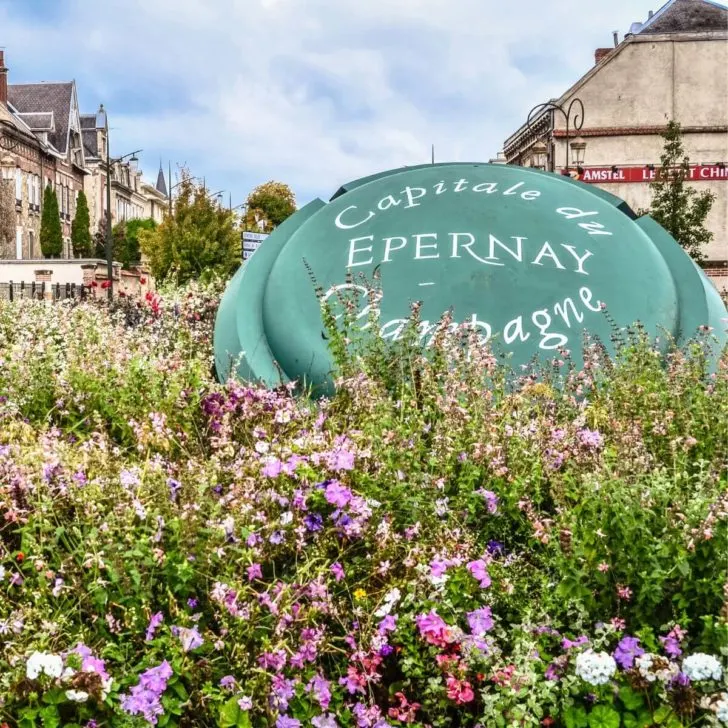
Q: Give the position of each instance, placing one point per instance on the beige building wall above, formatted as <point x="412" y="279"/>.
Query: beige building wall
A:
<point x="631" y="94"/>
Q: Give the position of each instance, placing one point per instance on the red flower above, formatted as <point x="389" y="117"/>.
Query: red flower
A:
<point x="94" y="284"/>
<point x="142" y="280"/>
<point x="106" y="284"/>
<point x="20" y="556"/>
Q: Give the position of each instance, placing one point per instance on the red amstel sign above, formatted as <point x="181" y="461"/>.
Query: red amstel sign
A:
<point x="604" y="175"/>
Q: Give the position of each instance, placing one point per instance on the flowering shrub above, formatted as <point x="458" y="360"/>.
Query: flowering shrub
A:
<point x="433" y="545"/>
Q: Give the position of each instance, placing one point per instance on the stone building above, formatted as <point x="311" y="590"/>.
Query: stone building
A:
<point x="674" y="65"/>
<point x="40" y="136"/>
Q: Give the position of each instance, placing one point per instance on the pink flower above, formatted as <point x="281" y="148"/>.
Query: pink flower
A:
<point x="338" y="571"/>
<point x="479" y="571"/>
<point x="459" y="690"/>
<point x="254" y="572"/>
<point x="603" y="567"/>
<point x="433" y="628"/>
<point x="624" y="592"/>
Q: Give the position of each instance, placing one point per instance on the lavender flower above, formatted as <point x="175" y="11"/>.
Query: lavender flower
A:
<point x="145" y="697"/>
<point x="154" y="622"/>
<point x="626" y="651"/>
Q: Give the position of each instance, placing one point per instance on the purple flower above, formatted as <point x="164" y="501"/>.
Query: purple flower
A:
<point x="338" y="571"/>
<point x="671" y="642"/>
<point x="567" y="644"/>
<point x="590" y="439"/>
<point x="227" y="682"/>
<point x="192" y="603"/>
<point x="324" y="721"/>
<point x="320" y="687"/>
<point x="438" y="567"/>
<point x="174" y="487"/>
<point x="388" y="624"/>
<point x="144" y="698"/>
<point x="479" y="571"/>
<point x="272" y="468"/>
<point x="480" y="621"/>
<point x="254" y="572"/>
<point x="191" y="639"/>
<point x="627" y="649"/>
<point x="495" y="548"/>
<point x="284" y="690"/>
<point x="277" y="537"/>
<point x="553" y="672"/>
<point x="340" y="460"/>
<point x="337" y="494"/>
<point x="491" y="500"/>
<point x="313" y="522"/>
<point x="154" y="622"/>
<point x="285" y="722"/>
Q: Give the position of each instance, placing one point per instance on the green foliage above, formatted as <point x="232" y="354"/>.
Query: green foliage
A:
<point x="80" y="229"/>
<point x="126" y="240"/>
<point x="676" y="205"/>
<point x="198" y="241"/>
<point x="269" y="204"/>
<point x="51" y="233"/>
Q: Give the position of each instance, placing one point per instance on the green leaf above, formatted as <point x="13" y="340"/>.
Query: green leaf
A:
<point x="603" y="716"/>
<point x="50" y="718"/>
<point x="575" y="717"/>
<point x="642" y="720"/>
<point x="230" y="713"/>
<point x="244" y="720"/>
<point x="631" y="699"/>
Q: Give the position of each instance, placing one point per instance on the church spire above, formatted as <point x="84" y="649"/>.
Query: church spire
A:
<point x="161" y="182"/>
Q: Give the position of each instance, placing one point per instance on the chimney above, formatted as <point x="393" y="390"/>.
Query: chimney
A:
<point x="650" y="14"/>
<point x="615" y="35"/>
<point x="3" y="80"/>
<point x="599" y="53"/>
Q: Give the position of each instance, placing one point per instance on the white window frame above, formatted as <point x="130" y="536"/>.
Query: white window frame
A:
<point x="18" y="242"/>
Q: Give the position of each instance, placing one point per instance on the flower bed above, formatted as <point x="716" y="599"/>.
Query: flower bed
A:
<point x="423" y="548"/>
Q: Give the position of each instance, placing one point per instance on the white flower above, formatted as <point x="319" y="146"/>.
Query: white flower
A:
<point x="721" y="708"/>
<point x="106" y="687"/>
<point x="77" y="696"/>
<point x="655" y="667"/>
<point x="43" y="662"/>
<point x="390" y="599"/>
<point x="702" y="667"/>
<point x="2" y="573"/>
<point x="596" y="668"/>
<point x="245" y="703"/>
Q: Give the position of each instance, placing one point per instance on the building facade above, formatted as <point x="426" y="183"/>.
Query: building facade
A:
<point x="46" y="141"/>
<point x="672" y="66"/>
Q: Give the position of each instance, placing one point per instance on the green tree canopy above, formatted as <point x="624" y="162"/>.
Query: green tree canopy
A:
<point x="269" y="204"/>
<point x="676" y="205"/>
<point x="126" y="248"/>
<point x="51" y="234"/>
<point x="80" y="229"/>
<point x="198" y="240"/>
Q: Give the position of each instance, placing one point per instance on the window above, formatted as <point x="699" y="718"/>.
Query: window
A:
<point x="19" y="242"/>
<point x="18" y="185"/>
<point x="31" y="244"/>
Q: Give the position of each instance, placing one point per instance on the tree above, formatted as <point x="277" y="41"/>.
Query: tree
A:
<point x="198" y="240"/>
<point x="7" y="219"/>
<point x="51" y="235"/>
<point x="676" y="205"/>
<point x="268" y="205"/>
<point x="80" y="229"/>
<point x="129" y="253"/>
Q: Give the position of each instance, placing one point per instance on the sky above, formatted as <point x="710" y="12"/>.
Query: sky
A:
<point x="313" y="93"/>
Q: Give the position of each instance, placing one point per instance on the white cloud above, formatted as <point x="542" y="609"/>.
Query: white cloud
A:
<point x="313" y="92"/>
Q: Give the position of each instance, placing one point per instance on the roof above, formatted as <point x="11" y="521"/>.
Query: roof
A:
<point x="88" y="121"/>
<point x="39" y="121"/>
<point x="46" y="97"/>
<point x="686" y="16"/>
<point x="161" y="182"/>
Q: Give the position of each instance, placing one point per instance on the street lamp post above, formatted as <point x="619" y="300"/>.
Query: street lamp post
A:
<point x="101" y="118"/>
<point x="574" y="115"/>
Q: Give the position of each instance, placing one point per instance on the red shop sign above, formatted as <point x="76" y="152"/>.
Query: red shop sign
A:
<point x="603" y="175"/>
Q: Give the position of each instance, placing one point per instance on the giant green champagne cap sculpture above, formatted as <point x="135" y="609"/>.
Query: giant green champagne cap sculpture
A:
<point x="529" y="259"/>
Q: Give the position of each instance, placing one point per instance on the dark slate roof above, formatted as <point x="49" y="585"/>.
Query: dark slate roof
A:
<point x="687" y="16"/>
<point x="90" y="143"/>
<point x="88" y="121"/>
<point x="161" y="182"/>
<point x="41" y="121"/>
<point x="49" y="97"/>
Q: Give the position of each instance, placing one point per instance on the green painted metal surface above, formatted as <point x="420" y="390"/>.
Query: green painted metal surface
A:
<point x="529" y="259"/>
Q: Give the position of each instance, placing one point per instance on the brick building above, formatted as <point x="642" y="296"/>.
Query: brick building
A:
<point x="45" y="140"/>
<point x="673" y="65"/>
